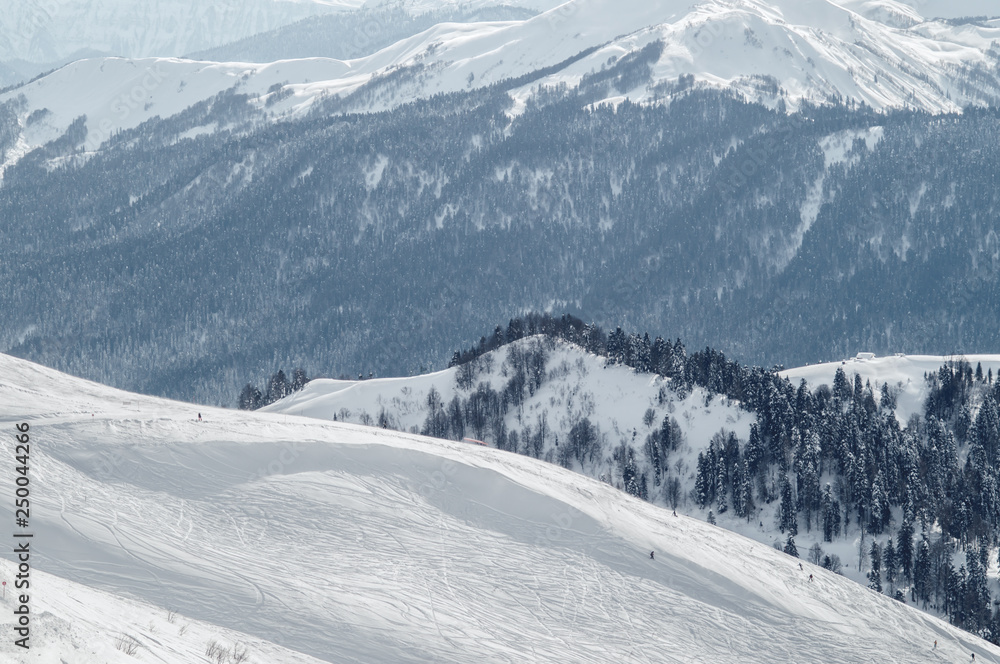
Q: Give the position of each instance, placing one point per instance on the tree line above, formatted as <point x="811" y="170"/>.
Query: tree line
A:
<point x="277" y="387"/>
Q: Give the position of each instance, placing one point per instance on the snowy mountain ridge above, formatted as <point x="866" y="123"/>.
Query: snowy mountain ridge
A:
<point x="624" y="405"/>
<point x="394" y="547"/>
<point x="774" y="52"/>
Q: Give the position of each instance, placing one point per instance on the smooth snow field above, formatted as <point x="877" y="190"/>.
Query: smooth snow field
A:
<point x="305" y="539"/>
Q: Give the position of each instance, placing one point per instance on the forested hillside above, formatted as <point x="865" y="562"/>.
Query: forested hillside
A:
<point x="174" y="260"/>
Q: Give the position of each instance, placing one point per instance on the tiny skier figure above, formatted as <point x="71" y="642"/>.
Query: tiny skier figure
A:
<point x="199" y="417"/>
<point x="800" y="567"/>
<point x="651" y="555"/>
<point x="810" y="578"/>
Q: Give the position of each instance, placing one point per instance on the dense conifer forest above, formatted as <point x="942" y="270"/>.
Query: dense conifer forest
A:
<point x="375" y="243"/>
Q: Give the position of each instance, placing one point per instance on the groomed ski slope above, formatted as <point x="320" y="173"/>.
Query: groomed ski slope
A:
<point x="363" y="545"/>
<point x="77" y="624"/>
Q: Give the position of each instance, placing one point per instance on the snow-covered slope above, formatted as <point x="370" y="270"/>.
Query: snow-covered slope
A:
<point x="76" y="623"/>
<point x="614" y="398"/>
<point x="129" y="92"/>
<point x="903" y="373"/>
<point x="577" y="385"/>
<point x="49" y="30"/>
<point x="886" y="55"/>
<point x="356" y="544"/>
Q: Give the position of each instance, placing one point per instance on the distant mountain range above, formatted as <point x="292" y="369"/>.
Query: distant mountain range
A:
<point x="885" y="55"/>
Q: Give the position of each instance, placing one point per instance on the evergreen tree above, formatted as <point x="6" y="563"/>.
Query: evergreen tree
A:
<point x="841" y="389"/>
<point x="826" y="506"/>
<point x="616" y="349"/>
<point x="875" y="574"/>
<point x="703" y="482"/>
<point x="807" y="468"/>
<point x="721" y="485"/>
<point x="987" y="430"/>
<point x="889" y="562"/>
<point x="976" y="610"/>
<point x="922" y="573"/>
<point x="754" y="455"/>
<point x="787" y="519"/>
<point x="790" y="546"/>
<point x="879" y="511"/>
<point x="250" y="398"/>
<point x="278" y="387"/>
<point x="629" y="472"/>
<point x="954" y="593"/>
<point x="887" y="402"/>
<point x="738" y="481"/>
<point x="904" y="552"/>
<point x="299" y="379"/>
<point x="746" y="492"/>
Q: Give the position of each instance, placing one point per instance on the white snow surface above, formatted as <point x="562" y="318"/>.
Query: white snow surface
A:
<point x="75" y="623"/>
<point x="355" y="544"/>
<point x="578" y="385"/>
<point x="924" y="9"/>
<point x="49" y="30"/>
<point x="903" y="373"/>
<point x="882" y="53"/>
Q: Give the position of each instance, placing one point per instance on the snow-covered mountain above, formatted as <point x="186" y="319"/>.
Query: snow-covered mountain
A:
<point x="883" y="54"/>
<point x="56" y="29"/>
<point x="52" y="31"/>
<point x="623" y="405"/>
<point x="363" y="545"/>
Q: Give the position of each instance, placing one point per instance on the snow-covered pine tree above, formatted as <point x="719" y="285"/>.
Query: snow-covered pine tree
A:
<point x="790" y="548"/>
<point x="787" y="519"/>
<point x="875" y="574"/>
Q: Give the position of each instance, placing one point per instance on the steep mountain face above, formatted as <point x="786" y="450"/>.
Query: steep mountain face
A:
<point x="396" y="548"/>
